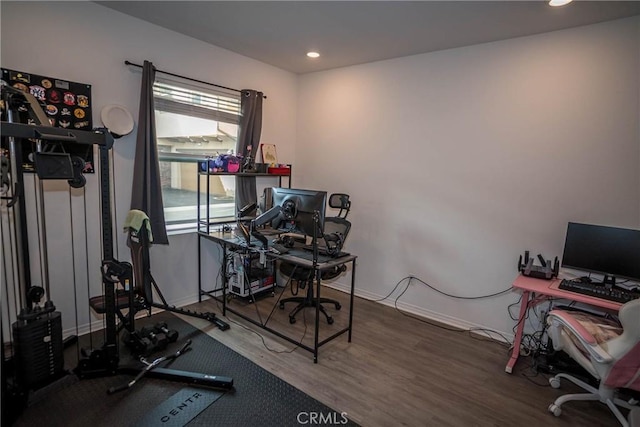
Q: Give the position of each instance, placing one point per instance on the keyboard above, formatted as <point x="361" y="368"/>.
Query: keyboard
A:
<point x="323" y="251"/>
<point x="599" y="291"/>
<point x="278" y="249"/>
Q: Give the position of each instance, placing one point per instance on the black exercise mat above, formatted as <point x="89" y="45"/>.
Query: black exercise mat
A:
<point x="259" y="398"/>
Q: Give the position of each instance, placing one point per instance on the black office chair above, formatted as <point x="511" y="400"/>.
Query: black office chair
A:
<point x="335" y="232"/>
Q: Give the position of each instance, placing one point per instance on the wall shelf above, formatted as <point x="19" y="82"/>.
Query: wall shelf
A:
<point x="205" y="222"/>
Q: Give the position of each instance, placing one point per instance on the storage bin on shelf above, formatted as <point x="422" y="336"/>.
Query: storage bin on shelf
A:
<point x="222" y="163"/>
<point x="279" y="170"/>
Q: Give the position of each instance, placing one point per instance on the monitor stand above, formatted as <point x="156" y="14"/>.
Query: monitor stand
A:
<point x="609" y="281"/>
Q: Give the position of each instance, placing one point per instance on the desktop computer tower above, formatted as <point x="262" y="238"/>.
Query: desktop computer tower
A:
<point x="248" y="276"/>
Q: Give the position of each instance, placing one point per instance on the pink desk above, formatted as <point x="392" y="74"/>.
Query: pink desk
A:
<point x="535" y="291"/>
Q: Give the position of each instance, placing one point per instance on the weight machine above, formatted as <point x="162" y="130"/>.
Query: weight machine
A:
<point x="36" y="324"/>
<point x="36" y="357"/>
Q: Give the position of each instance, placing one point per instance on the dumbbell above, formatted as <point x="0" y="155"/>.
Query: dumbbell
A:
<point x="159" y="340"/>
<point x="172" y="334"/>
<point x="139" y="345"/>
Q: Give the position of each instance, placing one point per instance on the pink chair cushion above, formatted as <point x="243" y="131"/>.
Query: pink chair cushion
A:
<point x="601" y="329"/>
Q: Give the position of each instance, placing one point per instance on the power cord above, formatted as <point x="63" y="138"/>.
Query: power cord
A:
<point x="264" y="343"/>
<point x="460" y="297"/>
<point x="505" y="341"/>
<point x="262" y="337"/>
<point x="410" y="278"/>
<point x="530" y="371"/>
<point x="217" y="301"/>
<point x="512" y="305"/>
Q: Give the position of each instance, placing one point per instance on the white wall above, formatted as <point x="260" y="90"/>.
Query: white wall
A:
<point x="457" y="161"/>
<point x="88" y="43"/>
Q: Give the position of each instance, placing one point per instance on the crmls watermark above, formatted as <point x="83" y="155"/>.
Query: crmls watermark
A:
<point x="321" y="418"/>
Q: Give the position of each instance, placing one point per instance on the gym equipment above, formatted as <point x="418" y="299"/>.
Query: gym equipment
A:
<point x="149" y="366"/>
<point x="93" y="362"/>
<point x="151" y="369"/>
<point x="136" y="343"/>
<point x="37" y="337"/>
<point x="172" y="334"/>
<point x="104" y="360"/>
<point x="159" y="340"/>
<point x="145" y="284"/>
<point x="37" y="331"/>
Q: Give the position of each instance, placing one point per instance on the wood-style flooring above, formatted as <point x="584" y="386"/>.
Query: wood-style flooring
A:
<point x="398" y="371"/>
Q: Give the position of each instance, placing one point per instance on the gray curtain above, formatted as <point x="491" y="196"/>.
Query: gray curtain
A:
<point x="146" y="194"/>
<point x="250" y="129"/>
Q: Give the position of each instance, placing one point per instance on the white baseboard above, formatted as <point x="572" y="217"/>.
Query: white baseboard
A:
<point x="98" y="325"/>
<point x="409" y="308"/>
<point x="484" y="331"/>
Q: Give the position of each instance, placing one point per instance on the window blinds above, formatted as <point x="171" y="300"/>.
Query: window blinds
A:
<point x="208" y="105"/>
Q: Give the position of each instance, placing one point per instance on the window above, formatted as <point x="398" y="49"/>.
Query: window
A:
<point x="192" y="123"/>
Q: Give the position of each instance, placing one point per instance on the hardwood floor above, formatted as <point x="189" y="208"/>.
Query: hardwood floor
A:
<point x="400" y="371"/>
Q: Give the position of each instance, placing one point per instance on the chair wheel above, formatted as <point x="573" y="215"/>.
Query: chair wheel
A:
<point x="554" y="382"/>
<point x="338" y="306"/>
<point x="330" y="320"/>
<point x="292" y="320"/>
<point x="281" y="306"/>
<point x="555" y="409"/>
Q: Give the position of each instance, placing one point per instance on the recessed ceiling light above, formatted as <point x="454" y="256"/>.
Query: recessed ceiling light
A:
<point x="559" y="2"/>
<point x="313" y="54"/>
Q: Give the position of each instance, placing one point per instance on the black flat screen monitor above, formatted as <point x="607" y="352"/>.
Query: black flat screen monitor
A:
<point x="611" y="251"/>
<point x="298" y="208"/>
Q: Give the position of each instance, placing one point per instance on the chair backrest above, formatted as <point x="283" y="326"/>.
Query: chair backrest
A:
<point x="336" y="225"/>
<point x="625" y="371"/>
<point x="340" y="201"/>
<point x="336" y="228"/>
<point x="629" y="316"/>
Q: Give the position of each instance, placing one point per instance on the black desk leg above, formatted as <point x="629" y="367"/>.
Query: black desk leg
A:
<point x="199" y="267"/>
<point x="315" y="344"/>
<point x="225" y="279"/>
<point x="353" y="281"/>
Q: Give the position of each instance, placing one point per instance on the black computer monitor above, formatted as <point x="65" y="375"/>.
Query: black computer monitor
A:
<point x="611" y="251"/>
<point x="298" y="208"/>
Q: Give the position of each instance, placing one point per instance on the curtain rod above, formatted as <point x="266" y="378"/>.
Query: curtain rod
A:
<point x="188" y="78"/>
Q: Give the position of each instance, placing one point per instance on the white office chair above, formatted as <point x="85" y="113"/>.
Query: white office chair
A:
<point x="609" y="353"/>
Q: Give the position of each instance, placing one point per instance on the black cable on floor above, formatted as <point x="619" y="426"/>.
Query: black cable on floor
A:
<point x="410" y="278"/>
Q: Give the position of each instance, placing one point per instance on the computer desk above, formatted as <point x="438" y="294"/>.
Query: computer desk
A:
<point x="229" y="241"/>
<point x="535" y="291"/>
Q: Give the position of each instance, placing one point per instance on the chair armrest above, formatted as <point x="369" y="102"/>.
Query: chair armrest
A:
<point x="588" y="341"/>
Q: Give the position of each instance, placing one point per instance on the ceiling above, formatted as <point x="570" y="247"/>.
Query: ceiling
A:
<point x="355" y="32"/>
